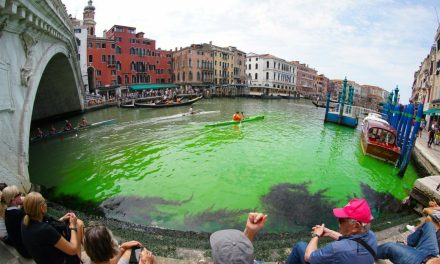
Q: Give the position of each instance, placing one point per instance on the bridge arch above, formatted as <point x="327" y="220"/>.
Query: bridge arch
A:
<point x="38" y="60"/>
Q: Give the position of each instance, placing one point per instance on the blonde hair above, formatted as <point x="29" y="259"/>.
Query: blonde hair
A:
<point x="9" y="193"/>
<point x="32" y="206"/>
<point x="2" y="207"/>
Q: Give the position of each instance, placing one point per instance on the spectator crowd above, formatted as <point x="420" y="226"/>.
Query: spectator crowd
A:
<point x="25" y="225"/>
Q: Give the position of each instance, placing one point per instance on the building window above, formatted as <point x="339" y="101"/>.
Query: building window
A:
<point x="190" y="76"/>
<point x="77" y="30"/>
<point x="113" y="72"/>
<point x="189" y="63"/>
<point x="267" y="65"/>
<point x="256" y="76"/>
<point x="267" y="76"/>
<point x="118" y="50"/>
<point x="178" y="76"/>
<point x="133" y="79"/>
<point x="103" y="58"/>
<point x="198" y="76"/>
<point x="249" y="66"/>
<point x="90" y="58"/>
<point x="90" y="45"/>
<point x="256" y="66"/>
<point x="104" y="45"/>
<point x="118" y="66"/>
<point x="98" y="73"/>
<point x="113" y="45"/>
<point x="98" y="45"/>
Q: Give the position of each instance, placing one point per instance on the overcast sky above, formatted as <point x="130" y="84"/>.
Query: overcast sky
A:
<point x="376" y="42"/>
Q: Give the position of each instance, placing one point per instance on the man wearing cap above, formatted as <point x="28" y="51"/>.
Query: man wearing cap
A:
<point x="422" y="245"/>
<point x="233" y="246"/>
<point x="355" y="243"/>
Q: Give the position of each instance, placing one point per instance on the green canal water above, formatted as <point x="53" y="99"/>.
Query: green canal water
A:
<point x="156" y="168"/>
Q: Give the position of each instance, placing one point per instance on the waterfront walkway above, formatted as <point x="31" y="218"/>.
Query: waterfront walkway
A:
<point x="431" y="154"/>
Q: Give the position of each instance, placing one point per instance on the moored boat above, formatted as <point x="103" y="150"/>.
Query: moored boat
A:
<point x="376" y="117"/>
<point x="379" y="141"/>
<point x="171" y="104"/>
<point x="232" y="122"/>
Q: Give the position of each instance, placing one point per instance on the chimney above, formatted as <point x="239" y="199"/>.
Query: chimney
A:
<point x="103" y="33"/>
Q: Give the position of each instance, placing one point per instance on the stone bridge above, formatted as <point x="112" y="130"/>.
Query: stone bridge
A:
<point x="39" y="77"/>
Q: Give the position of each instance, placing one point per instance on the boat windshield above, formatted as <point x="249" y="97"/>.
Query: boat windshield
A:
<point x="382" y="135"/>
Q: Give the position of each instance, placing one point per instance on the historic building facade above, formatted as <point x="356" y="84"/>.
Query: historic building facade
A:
<point x="208" y="66"/>
<point x="322" y="86"/>
<point x="306" y="79"/>
<point x="267" y="74"/>
<point x="426" y="85"/>
<point x="122" y="56"/>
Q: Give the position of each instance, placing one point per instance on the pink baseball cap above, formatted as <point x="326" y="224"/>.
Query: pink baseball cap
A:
<point x="356" y="209"/>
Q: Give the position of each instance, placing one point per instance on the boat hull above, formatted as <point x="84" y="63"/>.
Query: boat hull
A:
<point x="386" y="152"/>
<point x="190" y="102"/>
<point x="250" y="119"/>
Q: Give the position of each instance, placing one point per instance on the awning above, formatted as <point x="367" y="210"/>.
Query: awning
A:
<point x="432" y="111"/>
<point x="137" y="87"/>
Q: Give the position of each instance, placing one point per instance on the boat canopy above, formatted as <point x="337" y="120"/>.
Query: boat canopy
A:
<point x="154" y="86"/>
<point x="432" y="111"/>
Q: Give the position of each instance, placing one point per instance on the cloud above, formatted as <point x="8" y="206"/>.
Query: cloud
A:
<point x="377" y="42"/>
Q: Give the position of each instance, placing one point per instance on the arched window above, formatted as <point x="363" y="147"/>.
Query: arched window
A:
<point x="198" y="76"/>
<point x="118" y="66"/>
<point x="189" y="63"/>
<point x="127" y="80"/>
<point x="119" y="80"/>
<point x="183" y="77"/>
<point x="249" y="76"/>
<point x="178" y="76"/>
<point x="267" y="74"/>
<point x="267" y="65"/>
<point x="133" y="66"/>
<point x="118" y="50"/>
<point x="133" y="79"/>
<point x="148" y="79"/>
<point x="249" y="66"/>
<point x="190" y="76"/>
<point x="256" y="76"/>
<point x="256" y="66"/>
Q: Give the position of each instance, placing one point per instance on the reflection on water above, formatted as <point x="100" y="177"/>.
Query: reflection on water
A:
<point x="158" y="167"/>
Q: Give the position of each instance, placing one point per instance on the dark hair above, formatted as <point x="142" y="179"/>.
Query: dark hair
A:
<point x="99" y="243"/>
<point x="2" y="186"/>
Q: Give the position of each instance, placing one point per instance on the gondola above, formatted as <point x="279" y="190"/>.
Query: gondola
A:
<point x="172" y="104"/>
<point x="318" y="105"/>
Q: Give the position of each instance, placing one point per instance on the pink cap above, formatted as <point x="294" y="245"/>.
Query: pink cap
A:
<point x="356" y="209"/>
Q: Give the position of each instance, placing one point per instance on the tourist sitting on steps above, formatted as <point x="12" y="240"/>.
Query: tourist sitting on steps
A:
<point x="43" y="241"/>
<point x="233" y="246"/>
<point x="13" y="217"/>
<point x="102" y="248"/>
<point x="355" y="243"/>
<point x="422" y="245"/>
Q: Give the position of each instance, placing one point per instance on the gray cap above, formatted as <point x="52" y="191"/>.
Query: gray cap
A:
<point x="436" y="216"/>
<point x="231" y="246"/>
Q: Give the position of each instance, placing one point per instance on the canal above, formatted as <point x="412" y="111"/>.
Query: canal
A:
<point x="158" y="168"/>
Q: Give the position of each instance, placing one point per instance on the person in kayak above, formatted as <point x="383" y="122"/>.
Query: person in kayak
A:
<point x="236" y="116"/>
<point x="68" y="126"/>
<point x="83" y="122"/>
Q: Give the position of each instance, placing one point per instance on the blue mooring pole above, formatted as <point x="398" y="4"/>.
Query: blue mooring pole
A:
<point x="408" y="125"/>
<point x="399" y="116"/>
<point x="401" y="126"/>
<point x="327" y="106"/>
<point x="412" y="141"/>
<point x="396" y="116"/>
